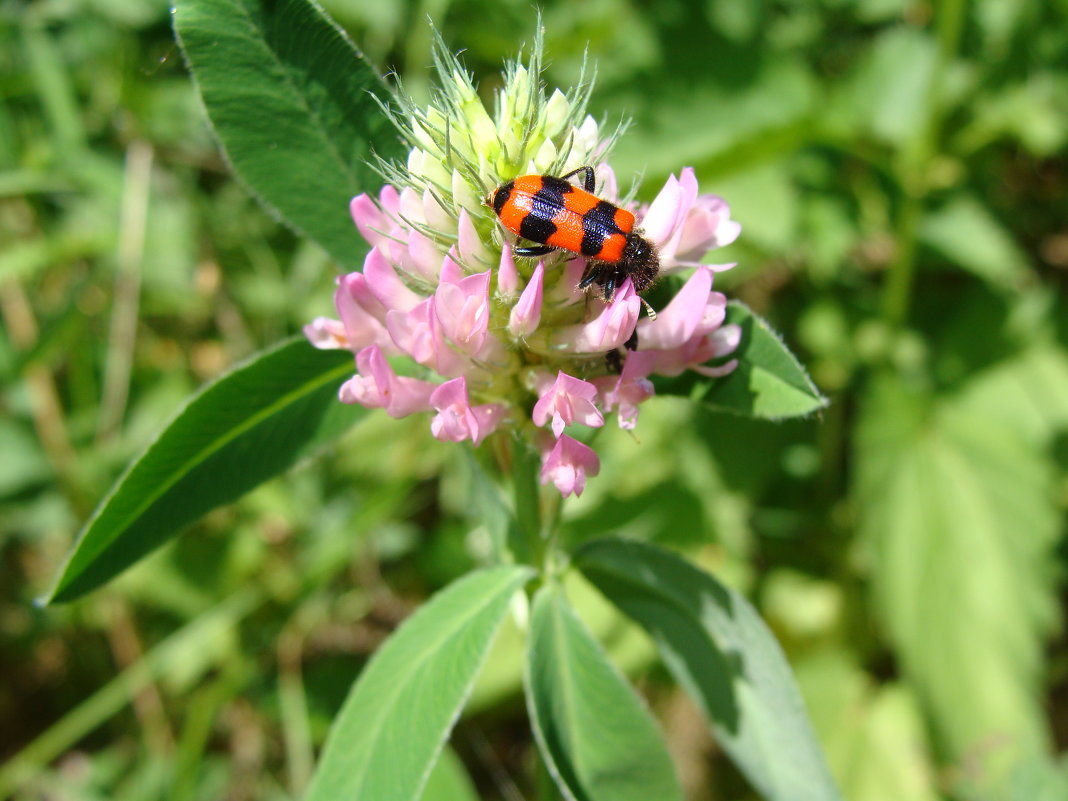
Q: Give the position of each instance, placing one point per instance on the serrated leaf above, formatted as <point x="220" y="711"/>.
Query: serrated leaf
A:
<point x="248" y="426"/>
<point x="398" y="715"/>
<point x="958" y="512"/>
<point x="598" y="739"/>
<point x="768" y="382"/>
<point x="289" y="97"/>
<point x="1025" y="393"/>
<point x="724" y="656"/>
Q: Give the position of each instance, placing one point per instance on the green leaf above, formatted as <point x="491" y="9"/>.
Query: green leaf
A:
<point x="598" y="739"/>
<point x="887" y="758"/>
<point x="888" y="92"/>
<point x="398" y="715"/>
<point x="764" y="198"/>
<point x="289" y="97"/>
<point x="448" y="780"/>
<point x="253" y="423"/>
<point x="24" y="463"/>
<point x="958" y="511"/>
<point x="1025" y="393"/>
<point x="874" y="733"/>
<point x="768" y="382"/>
<point x="1036" y="779"/>
<point x="1030" y="110"/>
<point x="487" y="508"/>
<point x="724" y="656"/>
<point x="966" y="233"/>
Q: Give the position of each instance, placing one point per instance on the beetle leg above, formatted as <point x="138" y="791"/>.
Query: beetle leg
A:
<point x="533" y="250"/>
<point x="609" y="288"/>
<point x="587" y="177"/>
<point x="591" y="276"/>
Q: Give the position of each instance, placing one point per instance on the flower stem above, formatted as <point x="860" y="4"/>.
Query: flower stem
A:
<point x="525" y="466"/>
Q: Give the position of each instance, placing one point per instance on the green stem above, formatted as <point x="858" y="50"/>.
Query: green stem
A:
<point x="898" y="289"/>
<point x="950" y="24"/>
<point x="537" y="511"/>
<point x="525" y="466"/>
<point x="915" y="167"/>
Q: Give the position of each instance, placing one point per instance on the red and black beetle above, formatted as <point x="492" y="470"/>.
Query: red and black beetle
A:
<point x="556" y="214"/>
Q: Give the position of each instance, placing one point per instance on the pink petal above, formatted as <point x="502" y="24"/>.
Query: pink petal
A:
<point x="451" y="272"/>
<point x="717" y="372"/>
<point x="678" y="321"/>
<point x="376" y="221"/>
<point x="665" y="212"/>
<point x="726" y="232"/>
<point x="361" y="313"/>
<point x="709" y="225"/>
<point x="454" y="420"/>
<point x="610" y="329"/>
<point x="726" y="339"/>
<point x="377" y="386"/>
<point x="383" y="281"/>
<point x="685" y="225"/>
<point x="489" y="417"/>
<point x="694" y="353"/>
<point x="568" y="464"/>
<point x="353" y="288"/>
<point x="606" y="180"/>
<point x="674" y="362"/>
<point x="526" y="314"/>
<point x="715" y="313"/>
<point x="389" y="199"/>
<point x="633" y="387"/>
<point x="424" y="256"/>
<point x="450" y="393"/>
<point x="507" y="274"/>
<point x="326" y="334"/>
<point x="569" y="400"/>
<point x="463" y="310"/>
<point x="564" y="290"/>
<point x="418" y="333"/>
<point x="457" y="420"/>
<point x="469" y="243"/>
<point x="669" y="246"/>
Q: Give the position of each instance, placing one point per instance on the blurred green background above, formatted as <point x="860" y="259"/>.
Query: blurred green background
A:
<point x="899" y="170"/>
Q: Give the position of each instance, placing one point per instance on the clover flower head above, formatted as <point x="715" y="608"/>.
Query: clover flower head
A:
<point x="499" y="342"/>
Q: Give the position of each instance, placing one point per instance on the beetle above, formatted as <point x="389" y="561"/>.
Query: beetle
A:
<point x="558" y="215"/>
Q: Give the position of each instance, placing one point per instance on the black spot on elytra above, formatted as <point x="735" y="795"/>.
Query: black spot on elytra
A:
<point x="501" y="196"/>
<point x="538" y="225"/>
<point x="598" y="224"/>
